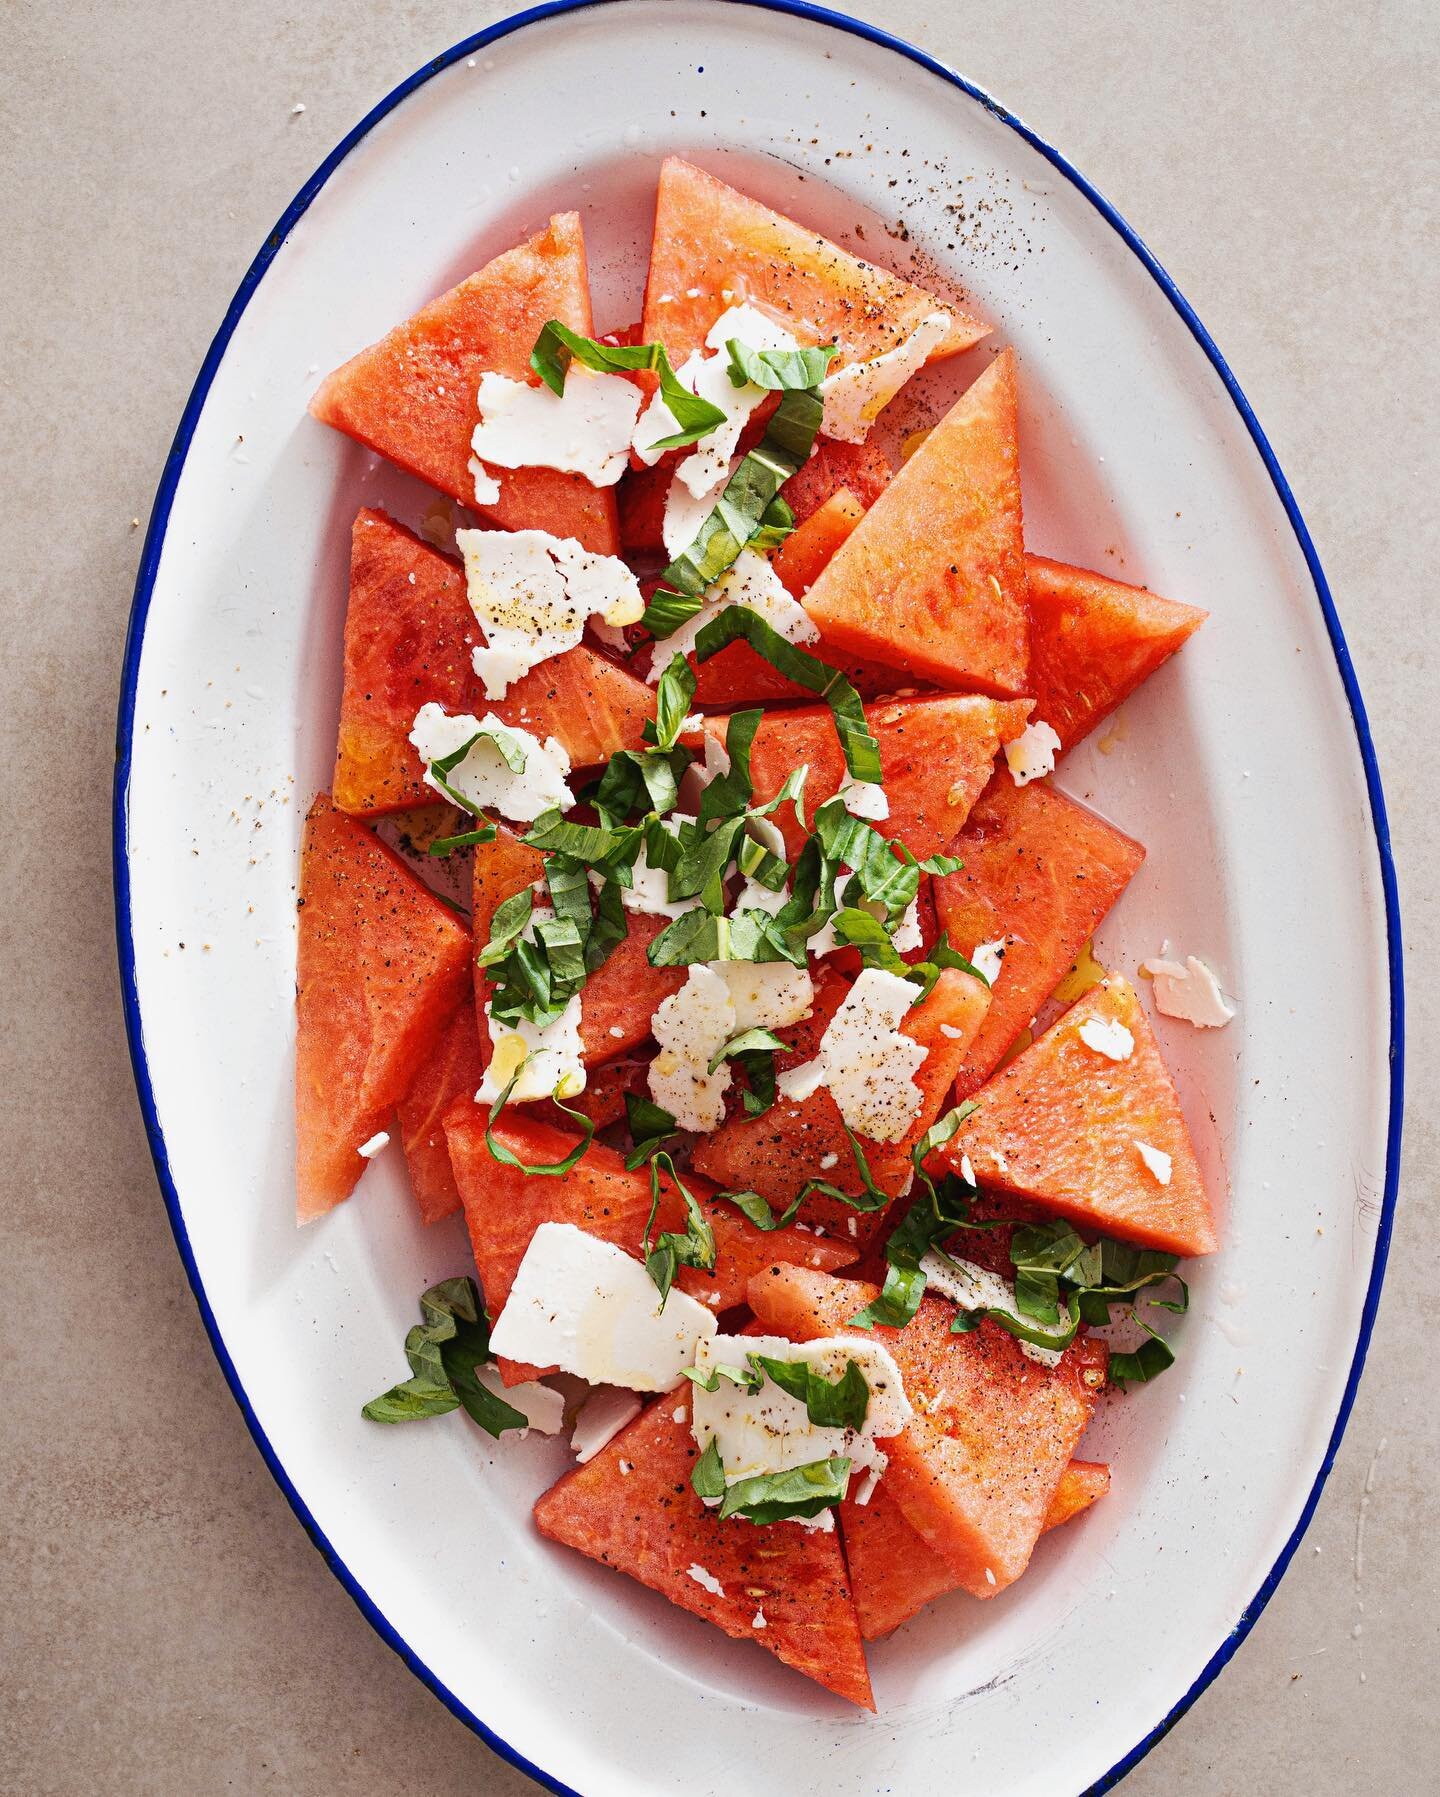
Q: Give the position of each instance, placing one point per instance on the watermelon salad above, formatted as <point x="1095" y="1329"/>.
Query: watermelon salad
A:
<point x="819" y="1178"/>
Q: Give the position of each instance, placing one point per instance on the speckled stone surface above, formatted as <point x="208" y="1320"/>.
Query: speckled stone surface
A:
<point x="166" y="1625"/>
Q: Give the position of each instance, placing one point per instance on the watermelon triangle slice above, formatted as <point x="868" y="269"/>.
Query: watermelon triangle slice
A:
<point x="799" y="1139"/>
<point x="409" y="633"/>
<point x="895" y="1573"/>
<point x="936" y="758"/>
<point x="993" y="1431"/>
<point x="452" y="1070"/>
<point x="411" y="396"/>
<point x="1064" y="1126"/>
<point x="1092" y="642"/>
<point x="1040" y="874"/>
<point x="619" y="999"/>
<point x="601" y="1195"/>
<point x="933" y="578"/>
<point x="714" y="247"/>
<point x="381" y="968"/>
<point x="782" y="1586"/>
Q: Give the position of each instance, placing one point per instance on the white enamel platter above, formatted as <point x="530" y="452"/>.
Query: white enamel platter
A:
<point x="1244" y="766"/>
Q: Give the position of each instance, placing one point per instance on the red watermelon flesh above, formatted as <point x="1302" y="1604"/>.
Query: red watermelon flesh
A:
<point x="714" y="247"/>
<point x="1092" y="642"/>
<point x="781" y="1586"/>
<point x="1042" y="872"/>
<point x="933" y="578"/>
<point x="381" y="969"/>
<point x="775" y="1153"/>
<point x="601" y="1195"/>
<point x="452" y="1070"/>
<point x="409" y="633"/>
<point x="895" y="1574"/>
<point x="412" y="396"/>
<point x="936" y="757"/>
<point x="860" y="469"/>
<point x="978" y="1466"/>
<point x="1061" y="1125"/>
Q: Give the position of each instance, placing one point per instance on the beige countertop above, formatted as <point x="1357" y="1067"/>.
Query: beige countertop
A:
<point x="167" y="1626"/>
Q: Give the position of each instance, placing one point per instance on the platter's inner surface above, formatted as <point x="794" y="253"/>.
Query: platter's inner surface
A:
<point x="1237" y="767"/>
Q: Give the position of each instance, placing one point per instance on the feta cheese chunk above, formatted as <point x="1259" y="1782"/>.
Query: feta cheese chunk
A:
<point x="869" y="1062"/>
<point x="796" y="1084"/>
<point x="708" y="376"/>
<point x="485" y="778"/>
<point x="766" y="994"/>
<point x="989" y="957"/>
<point x="549" y="1060"/>
<point x="1157" y="1162"/>
<point x="705" y="1580"/>
<point x="972" y="1287"/>
<point x="857" y="394"/>
<point x="691" y="1026"/>
<point x="377" y="1144"/>
<point x="542" y="1407"/>
<point x="1032" y="754"/>
<point x="864" y="798"/>
<point x="1189" y="990"/>
<point x="1107" y="1036"/>
<point x="768" y="1431"/>
<point x="531" y="594"/>
<point x="585" y="1306"/>
<point x="750" y="580"/>
<point x="586" y="430"/>
<point x="601" y="1418"/>
<point x="685" y="511"/>
<point x="908" y="934"/>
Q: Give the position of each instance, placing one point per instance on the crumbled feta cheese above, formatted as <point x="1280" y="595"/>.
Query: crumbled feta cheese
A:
<point x="973" y="1287"/>
<point x="601" y="1418"/>
<point x="864" y="798"/>
<point x="585" y="1306"/>
<point x="856" y="395"/>
<point x="988" y="957"/>
<point x="907" y="934"/>
<point x="1156" y="1161"/>
<point x="1032" y="754"/>
<point x="750" y="580"/>
<point x="769" y="1431"/>
<point x="1189" y="990"/>
<point x="549" y="1060"/>
<point x="685" y="511"/>
<point x="706" y="1580"/>
<point x="869" y="1062"/>
<point x="766" y="994"/>
<point x="487" y="488"/>
<point x="708" y="376"/>
<point x="586" y="430"/>
<point x="691" y="1026"/>
<point x="376" y="1145"/>
<point x="829" y="1160"/>
<point x="1107" y="1036"/>
<point x="542" y="1407"/>
<point x="757" y="1621"/>
<point x="484" y="777"/>
<point x="532" y="593"/>
<point x="967" y="1172"/>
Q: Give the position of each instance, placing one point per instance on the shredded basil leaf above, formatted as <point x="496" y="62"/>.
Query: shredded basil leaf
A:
<point x="841" y="1403"/>
<point x="557" y="344"/>
<point x="747" y="1379"/>
<point x="779" y="369"/>
<point x="707" y="1476"/>
<point x="447" y="845"/>
<point x="1148" y="1361"/>
<point x="741" y="510"/>
<point x="692" y="1247"/>
<point x="443" y="1353"/>
<point x="673" y="698"/>
<point x="802" y="1491"/>
<point x="756" y="1037"/>
<point x="738" y="623"/>
<point x="543" y="1169"/>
